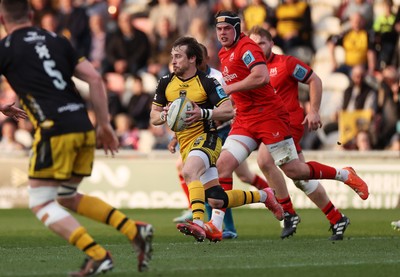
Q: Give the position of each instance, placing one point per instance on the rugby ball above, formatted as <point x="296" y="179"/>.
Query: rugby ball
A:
<point x="177" y="114"/>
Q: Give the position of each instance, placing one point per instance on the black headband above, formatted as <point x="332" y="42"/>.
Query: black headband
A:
<point x="232" y="20"/>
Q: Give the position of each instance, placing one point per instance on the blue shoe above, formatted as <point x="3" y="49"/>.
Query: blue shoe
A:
<point x="186" y="215"/>
<point x="226" y="234"/>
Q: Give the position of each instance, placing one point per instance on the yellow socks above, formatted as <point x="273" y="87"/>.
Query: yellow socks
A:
<point x="82" y="240"/>
<point x="197" y="199"/>
<point x="97" y="209"/>
<point x="239" y="197"/>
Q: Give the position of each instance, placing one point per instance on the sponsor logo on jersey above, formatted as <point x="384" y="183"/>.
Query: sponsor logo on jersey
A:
<point x="275" y="135"/>
<point x="182" y="93"/>
<point x="300" y="72"/>
<point x="198" y="141"/>
<point x="248" y="58"/>
<point x="71" y="107"/>
<point x="221" y="92"/>
<point x="34" y="37"/>
<point x="228" y="77"/>
<point x="273" y="71"/>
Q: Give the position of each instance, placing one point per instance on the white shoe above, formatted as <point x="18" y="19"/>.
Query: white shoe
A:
<point x="186" y="215"/>
<point x="396" y="225"/>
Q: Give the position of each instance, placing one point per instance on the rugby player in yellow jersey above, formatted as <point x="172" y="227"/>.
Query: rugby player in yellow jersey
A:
<point x="199" y="143"/>
<point x="39" y="66"/>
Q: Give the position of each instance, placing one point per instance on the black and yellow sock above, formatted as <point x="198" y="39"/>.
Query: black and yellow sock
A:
<point x="83" y="241"/>
<point x="238" y="198"/>
<point x="197" y="199"/>
<point x="97" y="209"/>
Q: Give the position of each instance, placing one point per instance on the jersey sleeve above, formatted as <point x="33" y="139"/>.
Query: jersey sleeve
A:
<point x="298" y="69"/>
<point x="252" y="55"/>
<point x="159" y="96"/>
<point x="214" y="90"/>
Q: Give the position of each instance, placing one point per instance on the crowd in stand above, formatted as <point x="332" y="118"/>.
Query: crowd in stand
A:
<point x="129" y="42"/>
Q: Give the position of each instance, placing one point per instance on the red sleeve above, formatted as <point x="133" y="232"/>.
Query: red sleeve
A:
<point x="298" y="70"/>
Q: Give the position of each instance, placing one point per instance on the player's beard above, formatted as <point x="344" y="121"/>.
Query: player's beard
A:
<point x="180" y="71"/>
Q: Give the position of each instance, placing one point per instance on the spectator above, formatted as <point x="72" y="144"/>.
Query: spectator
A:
<point x="49" y="21"/>
<point x="200" y="31"/>
<point x="350" y="7"/>
<point x="388" y="107"/>
<point x="139" y="105"/>
<point x="115" y="87"/>
<point x="363" y="141"/>
<point x="359" y="95"/>
<point x="8" y="142"/>
<point x="358" y="108"/>
<point x="226" y="5"/>
<point x="293" y="25"/>
<point x="164" y="37"/>
<point x="385" y="36"/>
<point x="127" y="49"/>
<point x="41" y="7"/>
<point x="164" y="8"/>
<point x="189" y="11"/>
<point x="127" y="133"/>
<point x="97" y="50"/>
<point x="256" y="14"/>
<point x="358" y="46"/>
<point x="74" y="24"/>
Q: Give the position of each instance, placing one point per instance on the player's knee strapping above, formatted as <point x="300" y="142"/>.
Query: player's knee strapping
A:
<point x="52" y="211"/>
<point x="218" y="193"/>
<point x="307" y="186"/>
<point x="67" y="190"/>
<point x="237" y="149"/>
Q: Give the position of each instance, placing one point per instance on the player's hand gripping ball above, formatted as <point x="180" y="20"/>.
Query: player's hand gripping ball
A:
<point x="177" y="114"/>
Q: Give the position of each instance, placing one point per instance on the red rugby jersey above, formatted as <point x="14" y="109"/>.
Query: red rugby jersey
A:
<point x="236" y="64"/>
<point x="285" y="73"/>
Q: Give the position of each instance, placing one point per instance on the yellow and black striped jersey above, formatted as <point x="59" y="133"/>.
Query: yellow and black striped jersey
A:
<point x="202" y="89"/>
<point x="39" y="66"/>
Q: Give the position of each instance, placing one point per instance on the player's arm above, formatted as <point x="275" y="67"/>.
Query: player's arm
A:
<point x="158" y="115"/>
<point x="159" y="108"/>
<point x="11" y="111"/>
<point x="259" y="76"/>
<point x="85" y="71"/>
<point x="223" y="112"/>
<point x="312" y="119"/>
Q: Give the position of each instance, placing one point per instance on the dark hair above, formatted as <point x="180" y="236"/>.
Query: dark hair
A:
<point x="16" y="11"/>
<point x="193" y="48"/>
<point x="258" y="30"/>
<point x="230" y="18"/>
<point x="204" y="49"/>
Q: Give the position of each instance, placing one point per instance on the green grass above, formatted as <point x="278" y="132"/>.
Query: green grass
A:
<point x="370" y="247"/>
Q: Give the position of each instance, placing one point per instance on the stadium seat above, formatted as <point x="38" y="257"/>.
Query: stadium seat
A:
<point x="333" y="86"/>
<point x="323" y="29"/>
<point x="277" y="50"/>
<point x="318" y="12"/>
<point x="272" y="3"/>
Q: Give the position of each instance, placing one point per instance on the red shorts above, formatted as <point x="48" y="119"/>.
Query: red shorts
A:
<point x="297" y="133"/>
<point x="267" y="130"/>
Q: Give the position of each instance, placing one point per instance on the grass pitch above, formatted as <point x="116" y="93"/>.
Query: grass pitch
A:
<point x="370" y="247"/>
